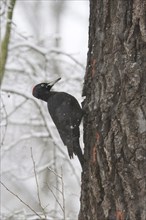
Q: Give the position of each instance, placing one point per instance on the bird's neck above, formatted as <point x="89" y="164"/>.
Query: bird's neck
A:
<point x="47" y="95"/>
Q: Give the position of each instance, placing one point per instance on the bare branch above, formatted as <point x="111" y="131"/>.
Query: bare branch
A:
<point x="44" y="52"/>
<point x="42" y="113"/>
<point x="6" y="118"/>
<point x="63" y="196"/>
<point x="16" y="108"/>
<point x="20" y="200"/>
<point x="37" y="184"/>
<point x="31" y="46"/>
<point x="56" y="174"/>
<point x="61" y="191"/>
<point x="68" y="55"/>
<point x="24" y="137"/>
<point x="55" y="198"/>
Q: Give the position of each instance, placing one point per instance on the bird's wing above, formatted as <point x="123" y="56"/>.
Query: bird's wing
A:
<point x="66" y="116"/>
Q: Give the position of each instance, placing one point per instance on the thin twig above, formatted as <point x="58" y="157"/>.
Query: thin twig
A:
<point x="68" y="55"/>
<point x="6" y="125"/>
<point x="61" y="191"/>
<point x="63" y="197"/>
<point x="57" y="189"/>
<point x="56" y="198"/>
<point x="25" y="137"/>
<point x="16" y="108"/>
<point x="56" y="174"/>
<point x="42" y="113"/>
<point x="20" y="199"/>
<point x="37" y="184"/>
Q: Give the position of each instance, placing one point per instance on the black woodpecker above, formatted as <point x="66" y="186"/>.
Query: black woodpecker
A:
<point x="66" y="114"/>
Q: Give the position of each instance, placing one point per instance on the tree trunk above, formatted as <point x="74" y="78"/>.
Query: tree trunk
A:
<point x="6" y="39"/>
<point x="114" y="175"/>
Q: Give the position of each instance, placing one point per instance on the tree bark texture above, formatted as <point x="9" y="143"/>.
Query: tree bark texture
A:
<point x="114" y="174"/>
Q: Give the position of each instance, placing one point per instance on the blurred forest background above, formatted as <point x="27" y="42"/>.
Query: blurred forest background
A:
<point x="48" y="40"/>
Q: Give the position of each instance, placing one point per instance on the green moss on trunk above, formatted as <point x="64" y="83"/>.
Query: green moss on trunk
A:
<point x="5" y="41"/>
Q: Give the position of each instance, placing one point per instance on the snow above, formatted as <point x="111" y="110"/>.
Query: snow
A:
<point x="34" y="57"/>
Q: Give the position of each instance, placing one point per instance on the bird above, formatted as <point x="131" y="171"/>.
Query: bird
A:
<point x="66" y="114"/>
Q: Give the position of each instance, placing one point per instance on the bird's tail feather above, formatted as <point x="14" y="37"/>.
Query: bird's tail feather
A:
<point x="70" y="152"/>
<point x="78" y="152"/>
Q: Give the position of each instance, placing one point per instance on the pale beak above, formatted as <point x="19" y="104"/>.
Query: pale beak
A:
<point x="54" y="82"/>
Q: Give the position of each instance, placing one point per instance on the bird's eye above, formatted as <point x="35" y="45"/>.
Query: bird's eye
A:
<point x="42" y="85"/>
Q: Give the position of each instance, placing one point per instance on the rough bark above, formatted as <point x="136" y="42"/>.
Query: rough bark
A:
<point x="114" y="175"/>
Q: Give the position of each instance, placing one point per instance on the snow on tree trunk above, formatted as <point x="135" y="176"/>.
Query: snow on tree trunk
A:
<point x="114" y="175"/>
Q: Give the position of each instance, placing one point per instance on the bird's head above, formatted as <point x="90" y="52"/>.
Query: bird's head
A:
<point x="42" y="90"/>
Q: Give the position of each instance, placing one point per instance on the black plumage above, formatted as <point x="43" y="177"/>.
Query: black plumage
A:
<point x="66" y="114"/>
